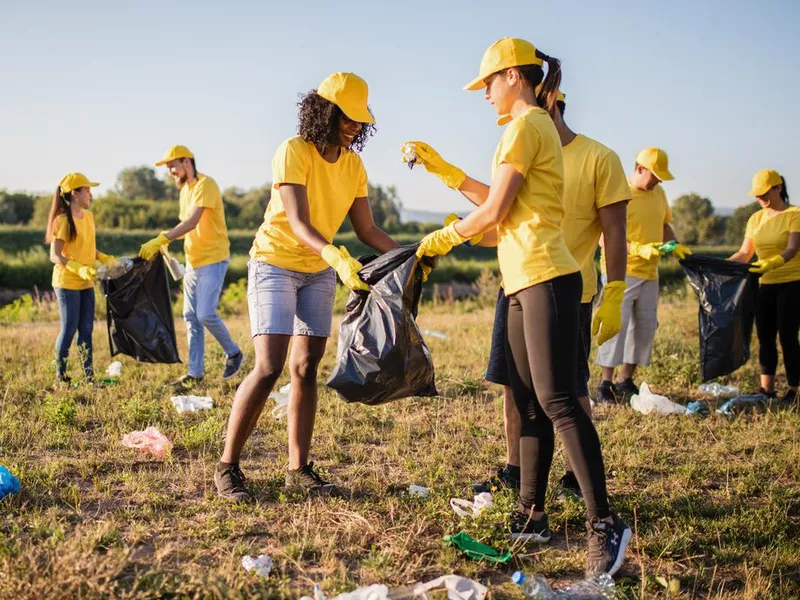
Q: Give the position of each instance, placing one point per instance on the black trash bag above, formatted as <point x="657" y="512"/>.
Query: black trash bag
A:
<point x="726" y="291"/>
<point x="381" y="354"/>
<point x="139" y="314"/>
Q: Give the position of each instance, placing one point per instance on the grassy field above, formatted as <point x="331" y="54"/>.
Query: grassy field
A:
<point x="715" y="503"/>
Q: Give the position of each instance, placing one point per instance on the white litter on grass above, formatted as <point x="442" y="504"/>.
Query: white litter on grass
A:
<point x="281" y="398"/>
<point x="432" y="333"/>
<point x="647" y="402"/>
<point x="261" y="565"/>
<point x="465" y="508"/>
<point x="114" y="369"/>
<point x="191" y="403"/>
<point x="418" y="491"/>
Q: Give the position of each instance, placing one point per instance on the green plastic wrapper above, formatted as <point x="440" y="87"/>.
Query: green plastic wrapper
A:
<point x="474" y="549"/>
<point x="667" y="247"/>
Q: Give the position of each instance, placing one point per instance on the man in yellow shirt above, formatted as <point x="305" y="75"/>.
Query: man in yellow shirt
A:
<point x="207" y="250"/>
<point x="648" y="228"/>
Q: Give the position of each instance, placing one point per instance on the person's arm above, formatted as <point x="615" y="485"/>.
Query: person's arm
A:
<point x="505" y="186"/>
<point x="792" y="247"/>
<point x="295" y="202"/>
<point x="669" y="233"/>
<point x="746" y="252"/>
<point x="365" y="228"/>
<point x="56" y="249"/>
<point x="613" y="239"/>
<point x="474" y="190"/>
<point x="187" y="225"/>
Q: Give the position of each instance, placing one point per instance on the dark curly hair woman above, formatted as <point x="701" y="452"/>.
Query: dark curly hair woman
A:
<point x="318" y="179"/>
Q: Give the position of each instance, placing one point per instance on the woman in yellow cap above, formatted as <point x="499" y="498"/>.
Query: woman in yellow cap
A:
<point x="521" y="213"/>
<point x="773" y="233"/>
<point x="318" y="180"/>
<point x="71" y="235"/>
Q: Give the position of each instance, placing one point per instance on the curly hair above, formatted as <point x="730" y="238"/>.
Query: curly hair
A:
<point x="318" y="123"/>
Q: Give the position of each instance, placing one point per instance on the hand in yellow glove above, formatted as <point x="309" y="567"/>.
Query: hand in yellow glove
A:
<point x="85" y="272"/>
<point x="422" y="153"/>
<point x="647" y="251"/>
<point x="681" y="251"/>
<point x="440" y="242"/>
<point x="767" y="264"/>
<point x="454" y="218"/>
<point x="345" y="266"/>
<point x="104" y="259"/>
<point x="607" y="320"/>
<point x="151" y="247"/>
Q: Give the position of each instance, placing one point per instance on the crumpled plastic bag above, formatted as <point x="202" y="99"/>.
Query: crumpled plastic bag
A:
<point x="467" y="508"/>
<point x="114" y="369"/>
<point x="746" y="403"/>
<point x="592" y="588"/>
<point x="9" y="484"/>
<point x="647" y="402"/>
<point x="150" y="440"/>
<point x="474" y="549"/>
<point x="260" y="566"/>
<point x="458" y="588"/>
<point x="191" y="403"/>
<point x="281" y="398"/>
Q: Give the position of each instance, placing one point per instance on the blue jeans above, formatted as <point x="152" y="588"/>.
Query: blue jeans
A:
<point x="76" y="311"/>
<point x="201" y="290"/>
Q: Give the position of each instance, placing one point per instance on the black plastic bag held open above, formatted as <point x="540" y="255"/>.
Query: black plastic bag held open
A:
<point x="381" y="354"/>
<point x="726" y="291"/>
<point x="139" y="314"/>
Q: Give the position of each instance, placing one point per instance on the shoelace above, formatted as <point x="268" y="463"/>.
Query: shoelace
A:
<point x="237" y="478"/>
<point x="310" y="472"/>
<point x="597" y="541"/>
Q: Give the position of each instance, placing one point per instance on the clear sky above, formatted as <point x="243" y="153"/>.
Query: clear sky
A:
<point x="98" y="86"/>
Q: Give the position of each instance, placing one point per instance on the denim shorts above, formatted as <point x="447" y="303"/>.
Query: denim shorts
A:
<point x="287" y="302"/>
<point x="497" y="369"/>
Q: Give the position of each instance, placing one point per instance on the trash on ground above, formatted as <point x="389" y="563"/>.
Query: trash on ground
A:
<point x="418" y="491"/>
<point x="432" y="333"/>
<point x="260" y="566"/>
<point x="673" y="584"/>
<point x="115" y="268"/>
<point x="9" y="483"/>
<point x="114" y="369"/>
<point x="474" y="549"/>
<point x="281" y="398"/>
<point x="150" y="440"/>
<point x="647" y="402"/>
<point x="592" y="588"/>
<point x="191" y="403"/>
<point x="458" y="588"/>
<point x="726" y="293"/>
<point x="382" y="355"/>
<point x="698" y="407"/>
<point x="467" y="508"/>
<point x="719" y="391"/>
<point x="745" y="403"/>
<point x="376" y="591"/>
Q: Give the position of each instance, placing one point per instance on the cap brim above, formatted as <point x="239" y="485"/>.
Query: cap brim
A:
<point x="359" y="114"/>
<point x="663" y="175"/>
<point x="476" y="84"/>
<point x="161" y="163"/>
<point x="93" y="184"/>
<point x="756" y="192"/>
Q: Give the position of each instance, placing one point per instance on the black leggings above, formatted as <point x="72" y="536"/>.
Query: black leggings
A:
<point x="543" y="322"/>
<point x="778" y="312"/>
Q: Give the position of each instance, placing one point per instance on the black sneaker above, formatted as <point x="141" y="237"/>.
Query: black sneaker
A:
<point x="625" y="390"/>
<point x="185" y="382"/>
<point x="229" y="481"/>
<point x="790" y="397"/>
<point x="233" y="365"/>
<point x="306" y="479"/>
<point x="771" y="395"/>
<point x="525" y="529"/>
<point x="605" y="393"/>
<point x="607" y="545"/>
<point x="569" y="484"/>
<point x="62" y="378"/>
<point x="503" y="478"/>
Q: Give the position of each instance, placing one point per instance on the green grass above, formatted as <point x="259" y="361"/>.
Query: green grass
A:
<point x="715" y="503"/>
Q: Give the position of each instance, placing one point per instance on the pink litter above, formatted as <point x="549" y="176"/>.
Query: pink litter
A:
<point x="150" y="440"/>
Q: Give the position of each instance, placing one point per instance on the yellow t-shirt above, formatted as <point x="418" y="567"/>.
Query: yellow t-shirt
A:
<point x="82" y="249"/>
<point x="531" y="247"/>
<point x="208" y="242"/>
<point x="648" y="212"/>
<point x="770" y="235"/>
<point x="331" y="189"/>
<point x="593" y="178"/>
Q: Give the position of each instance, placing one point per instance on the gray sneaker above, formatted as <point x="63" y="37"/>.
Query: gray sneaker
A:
<point x="230" y="483"/>
<point x="233" y="365"/>
<point x="306" y="479"/>
<point x="607" y="545"/>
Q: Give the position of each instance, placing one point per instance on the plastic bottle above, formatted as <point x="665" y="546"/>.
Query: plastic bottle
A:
<point x="719" y="391"/>
<point x="593" y="588"/>
<point x="114" y="269"/>
<point x="174" y="266"/>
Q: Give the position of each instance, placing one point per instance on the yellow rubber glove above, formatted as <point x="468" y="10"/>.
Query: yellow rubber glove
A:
<point x="85" y="272"/>
<point x="422" y="153"/>
<point x="104" y="259"/>
<point x="426" y="270"/>
<point x="474" y="240"/>
<point x="440" y="242"/>
<point x="345" y="266"/>
<point x="607" y="320"/>
<point x="767" y="264"/>
<point x="151" y="247"/>
<point x="646" y="251"/>
<point x="681" y="251"/>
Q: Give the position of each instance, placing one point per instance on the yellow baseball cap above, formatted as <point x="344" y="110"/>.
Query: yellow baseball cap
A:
<point x="504" y="53"/>
<point x="503" y="119"/>
<point x="657" y="161"/>
<point x="764" y="181"/>
<point x="349" y="92"/>
<point x="73" y="181"/>
<point x="175" y="152"/>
